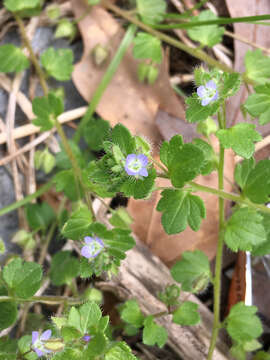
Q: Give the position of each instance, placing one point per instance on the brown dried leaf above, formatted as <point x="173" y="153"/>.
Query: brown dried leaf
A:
<point x="125" y="100"/>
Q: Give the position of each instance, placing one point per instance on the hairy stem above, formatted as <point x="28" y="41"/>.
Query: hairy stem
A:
<point x="218" y="266"/>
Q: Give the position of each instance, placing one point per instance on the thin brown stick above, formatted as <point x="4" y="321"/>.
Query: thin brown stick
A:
<point x="26" y="148"/>
<point x="246" y="41"/>
<point x="29" y="129"/>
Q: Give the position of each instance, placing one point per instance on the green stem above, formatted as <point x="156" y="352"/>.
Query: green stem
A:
<point x="219" y="21"/>
<point x="111" y="70"/>
<point x="218" y="266"/>
<point x="32" y="55"/>
<point x="229" y="196"/>
<point x="178" y="44"/>
<point x="45" y="299"/>
<point x="26" y="199"/>
<point x="42" y="78"/>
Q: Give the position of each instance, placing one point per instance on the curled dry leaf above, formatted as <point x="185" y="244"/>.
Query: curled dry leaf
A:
<point x="125" y="100"/>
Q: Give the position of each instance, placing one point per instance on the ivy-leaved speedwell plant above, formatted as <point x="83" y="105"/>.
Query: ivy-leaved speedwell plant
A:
<point x="127" y="167"/>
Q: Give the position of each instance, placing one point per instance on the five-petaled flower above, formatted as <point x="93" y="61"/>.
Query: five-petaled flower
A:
<point x="136" y="165"/>
<point x="208" y="93"/>
<point x="38" y="342"/>
<point x="93" y="246"/>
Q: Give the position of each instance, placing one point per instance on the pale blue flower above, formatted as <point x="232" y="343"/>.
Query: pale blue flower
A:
<point x="136" y="165"/>
<point x="86" y="338"/>
<point x="38" y="342"/>
<point x="93" y="246"/>
<point x="208" y="93"/>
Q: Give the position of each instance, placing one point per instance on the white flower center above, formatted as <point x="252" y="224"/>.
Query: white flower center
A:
<point x="135" y="165"/>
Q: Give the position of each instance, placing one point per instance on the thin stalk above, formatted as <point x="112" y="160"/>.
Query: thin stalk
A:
<point x="111" y="70"/>
<point x="218" y="266"/>
<point x="229" y="196"/>
<point x="219" y="21"/>
<point x="168" y="39"/>
<point x="27" y="199"/>
<point x="45" y="299"/>
<point x="32" y="55"/>
<point x="42" y="79"/>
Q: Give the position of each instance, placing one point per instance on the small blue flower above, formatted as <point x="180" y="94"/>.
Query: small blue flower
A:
<point x="86" y="338"/>
<point x="208" y="93"/>
<point x="93" y="246"/>
<point x="136" y="165"/>
<point x="38" y="342"/>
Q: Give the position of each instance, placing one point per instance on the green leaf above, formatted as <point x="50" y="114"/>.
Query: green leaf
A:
<point x="23" y="278"/>
<point x="192" y="270"/>
<point x="196" y="112"/>
<point x="209" y="156"/>
<point x="95" y="132"/>
<point x="8" y="348"/>
<point x="261" y="355"/>
<point x="47" y="108"/>
<point x="231" y="84"/>
<point x="258" y="104"/>
<point x="11" y="270"/>
<point x="207" y="127"/>
<point x="264" y="248"/>
<point x="257" y="187"/>
<point x="65" y="28"/>
<point x="131" y="313"/>
<point x="78" y="224"/>
<point x="62" y="159"/>
<point x="240" y="138"/>
<point x="64" y="268"/>
<point x="242" y="171"/>
<point x="180" y="208"/>
<point x="122" y="137"/>
<point x="86" y="271"/>
<point x="69" y="354"/>
<point x="120" y="351"/>
<point x="58" y="63"/>
<point x="187" y="314"/>
<point x="170" y="295"/>
<point x="12" y="59"/>
<point x="186" y="164"/>
<point x="244" y="230"/>
<point x="90" y="314"/>
<point x="96" y="346"/>
<point x="8" y="313"/>
<point x="147" y="46"/>
<point x="69" y="333"/>
<point x="67" y="182"/>
<point x="140" y="188"/>
<point x="207" y="35"/>
<point x="74" y="319"/>
<point x="24" y="345"/>
<point x="257" y="66"/>
<point x="28" y="280"/>
<point x="242" y="324"/>
<point x="151" y="11"/>
<point x="39" y="216"/>
<point x="153" y="333"/>
<point x="121" y="218"/>
<point x="19" y="5"/>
